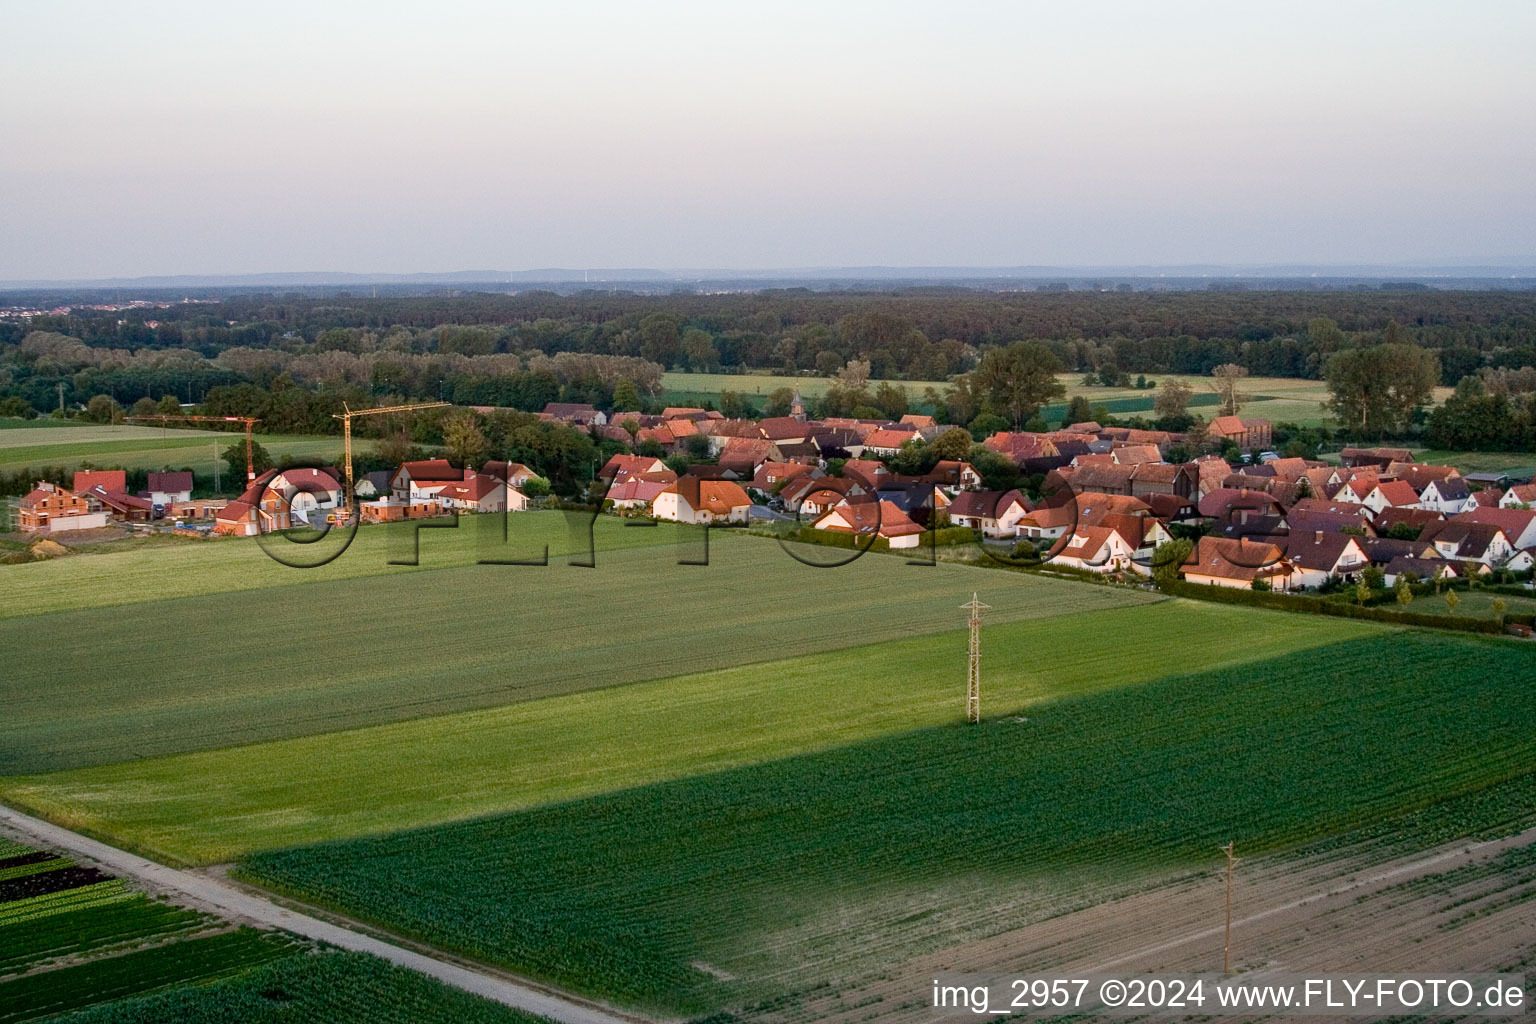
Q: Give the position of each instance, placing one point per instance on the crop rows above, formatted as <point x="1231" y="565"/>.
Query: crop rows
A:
<point x="113" y="977"/>
<point x="26" y="943"/>
<point x="30" y="864"/>
<point x="66" y="901"/>
<point x="44" y="882"/>
<point x="764" y="870"/>
<point x="328" y="987"/>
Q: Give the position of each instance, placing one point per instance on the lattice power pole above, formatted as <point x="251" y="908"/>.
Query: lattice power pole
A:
<point x="973" y="675"/>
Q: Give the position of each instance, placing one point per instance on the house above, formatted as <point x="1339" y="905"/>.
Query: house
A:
<point x="918" y="499"/>
<point x="482" y="492"/>
<point x="1249" y="434"/>
<point x="293" y="497"/>
<point x="1518" y="496"/>
<point x="1096" y="549"/>
<point x="122" y="507"/>
<point x="618" y="468"/>
<point x="1416" y="518"/>
<point x="811" y="496"/>
<point x="414" y="481"/>
<point x="1135" y="454"/>
<point x="918" y="421"/>
<point x="166" y="488"/>
<point x="578" y="414"/>
<point x="1381" y="457"/>
<point x="1164" y="478"/>
<point x="1390" y="493"/>
<point x="1329" y="516"/>
<point x="197" y="508"/>
<point x="786" y="429"/>
<point x="389" y="510"/>
<point x="702" y="502"/>
<point x="953" y="475"/>
<point x="994" y="513"/>
<point x="1317" y="555"/>
<point x="879" y="517"/>
<point x="771" y="476"/>
<point x="107" y="479"/>
<point x="49" y="508"/>
<point x="373" y="484"/>
<point x="1450" y="495"/>
<point x="1220" y="562"/>
<point x="1222" y="502"/>
<point x="1110" y="479"/>
<point x="887" y="442"/>
<point x="742" y="455"/>
<point x="639" y="490"/>
<point x="1519" y="525"/>
<point x="1469" y="542"/>
<point x="236" y="519"/>
<point x="1420" y="568"/>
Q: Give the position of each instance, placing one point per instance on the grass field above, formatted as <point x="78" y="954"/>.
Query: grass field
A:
<point x="829" y="863"/>
<point x="145" y="447"/>
<point x="1516" y="464"/>
<point x="223" y="668"/>
<point x="1278" y="399"/>
<point x="212" y="806"/>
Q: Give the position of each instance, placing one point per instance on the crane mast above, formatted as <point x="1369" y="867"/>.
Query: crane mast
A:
<point x="250" y="462"/>
<point x="346" y="434"/>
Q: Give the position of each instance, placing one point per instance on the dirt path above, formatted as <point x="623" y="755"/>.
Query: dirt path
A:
<point x="225" y="898"/>
<point x="1463" y="906"/>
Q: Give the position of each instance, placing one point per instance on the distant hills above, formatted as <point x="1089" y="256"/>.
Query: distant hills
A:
<point x="1459" y="273"/>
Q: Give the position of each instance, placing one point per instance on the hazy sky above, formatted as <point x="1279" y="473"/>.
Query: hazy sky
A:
<point x="152" y="138"/>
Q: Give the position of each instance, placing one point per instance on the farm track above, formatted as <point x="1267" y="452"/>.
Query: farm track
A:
<point x="211" y="893"/>
<point x="1362" y="909"/>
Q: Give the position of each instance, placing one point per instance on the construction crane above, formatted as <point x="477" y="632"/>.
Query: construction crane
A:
<point x="250" y="462"/>
<point x="346" y="433"/>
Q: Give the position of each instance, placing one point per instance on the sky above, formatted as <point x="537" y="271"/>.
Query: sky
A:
<point x="179" y="138"/>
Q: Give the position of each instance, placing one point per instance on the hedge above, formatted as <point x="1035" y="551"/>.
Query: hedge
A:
<point x="1323" y="606"/>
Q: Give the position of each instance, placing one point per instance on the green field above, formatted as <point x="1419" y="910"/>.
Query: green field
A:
<point x="1278" y="399"/>
<point x="101" y="952"/>
<point x="145" y="447"/>
<point x="212" y="806"/>
<point x="318" y="987"/>
<point x="824" y="865"/>
<point x="678" y="388"/>
<point x="222" y="668"/>
<point x="1516" y="464"/>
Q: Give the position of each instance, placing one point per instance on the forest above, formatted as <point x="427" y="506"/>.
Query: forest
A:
<point x="305" y="355"/>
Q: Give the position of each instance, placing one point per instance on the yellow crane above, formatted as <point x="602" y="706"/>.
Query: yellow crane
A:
<point x="250" y="464"/>
<point x="346" y="433"/>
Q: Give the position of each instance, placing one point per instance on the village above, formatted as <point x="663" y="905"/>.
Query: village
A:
<point x="1109" y="501"/>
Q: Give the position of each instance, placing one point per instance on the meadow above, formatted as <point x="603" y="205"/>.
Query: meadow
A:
<point x="1278" y="399"/>
<point x="127" y="446"/>
<point x="213" y="806"/>
<point x="218" y="669"/>
<point x="747" y="884"/>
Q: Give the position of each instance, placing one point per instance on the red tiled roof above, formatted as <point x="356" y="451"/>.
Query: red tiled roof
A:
<point x="108" y="479"/>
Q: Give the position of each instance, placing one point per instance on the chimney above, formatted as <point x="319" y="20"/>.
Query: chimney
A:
<point x="1317" y="537"/>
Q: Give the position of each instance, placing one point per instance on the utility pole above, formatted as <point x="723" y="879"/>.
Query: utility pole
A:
<point x="61" y="397"/>
<point x="216" y="488"/>
<point x="973" y="675"/>
<point x="1226" y="952"/>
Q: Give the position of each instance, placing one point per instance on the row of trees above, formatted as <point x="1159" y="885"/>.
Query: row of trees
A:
<point x="918" y="334"/>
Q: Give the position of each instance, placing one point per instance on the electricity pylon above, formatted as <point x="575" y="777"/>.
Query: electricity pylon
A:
<point x="973" y="675"/>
